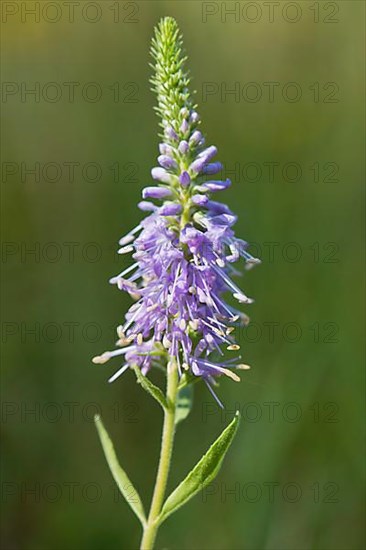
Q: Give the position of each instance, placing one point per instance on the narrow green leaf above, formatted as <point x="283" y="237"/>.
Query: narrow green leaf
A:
<point x="184" y="403"/>
<point x="119" y="475"/>
<point x="153" y="390"/>
<point x="203" y="473"/>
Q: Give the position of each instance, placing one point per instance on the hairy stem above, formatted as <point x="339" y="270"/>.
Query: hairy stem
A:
<point x="151" y="528"/>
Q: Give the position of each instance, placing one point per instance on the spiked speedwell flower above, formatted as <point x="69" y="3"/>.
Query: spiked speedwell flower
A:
<point x="184" y="249"/>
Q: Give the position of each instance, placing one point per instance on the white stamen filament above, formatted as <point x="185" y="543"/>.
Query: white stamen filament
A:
<point x="125" y="239"/>
<point x="228" y="281"/>
<point x="114" y="280"/>
<point x="218" y="333"/>
<point x="118" y="373"/>
<point x="129" y="323"/>
<point x="100" y="359"/>
<point x="217" y="321"/>
<point x="171" y="296"/>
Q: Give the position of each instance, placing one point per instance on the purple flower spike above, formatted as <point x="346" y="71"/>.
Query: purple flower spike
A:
<point x="184" y="179"/>
<point x="183" y="254"/>
<point x="156" y="192"/>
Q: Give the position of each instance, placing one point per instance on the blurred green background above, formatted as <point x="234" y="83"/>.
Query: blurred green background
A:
<point x="295" y="471"/>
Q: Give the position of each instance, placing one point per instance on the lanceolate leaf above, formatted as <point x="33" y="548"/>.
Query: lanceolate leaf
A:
<point x="153" y="390"/>
<point x="119" y="475"/>
<point x="184" y="403"/>
<point x="203" y="473"/>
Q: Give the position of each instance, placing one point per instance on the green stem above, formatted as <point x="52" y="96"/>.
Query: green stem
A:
<point x="152" y="526"/>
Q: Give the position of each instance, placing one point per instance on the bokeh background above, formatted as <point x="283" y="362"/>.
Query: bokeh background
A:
<point x="294" y="477"/>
